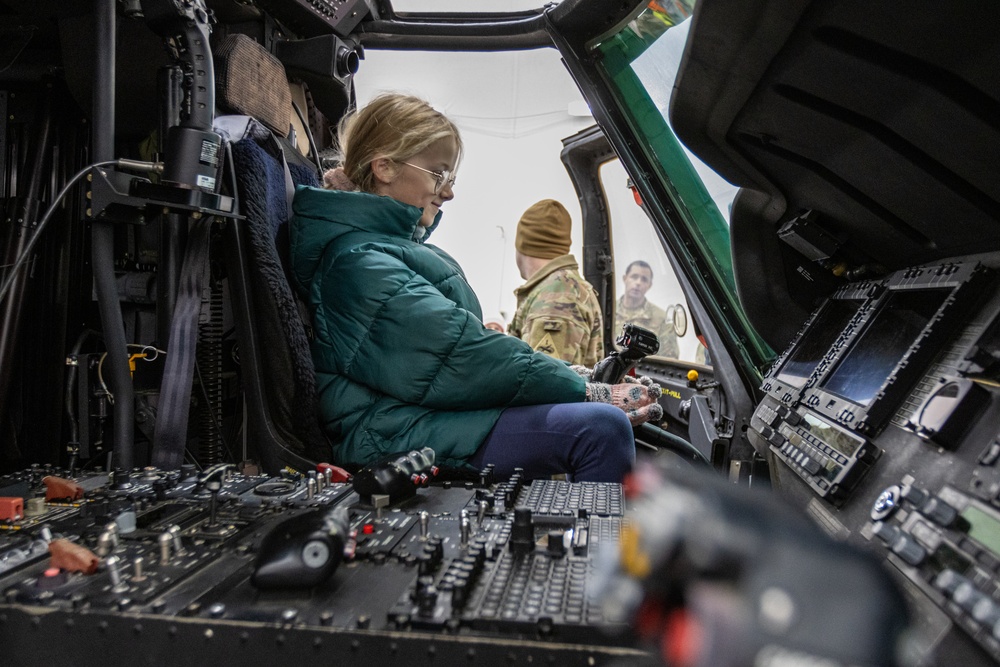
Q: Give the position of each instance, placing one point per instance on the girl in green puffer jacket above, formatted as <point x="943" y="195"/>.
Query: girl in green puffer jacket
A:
<point x="402" y="358"/>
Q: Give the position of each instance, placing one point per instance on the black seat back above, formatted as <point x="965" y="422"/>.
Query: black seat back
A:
<point x="277" y="370"/>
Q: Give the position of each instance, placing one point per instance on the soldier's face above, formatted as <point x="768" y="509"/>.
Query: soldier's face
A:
<point x="638" y="281"/>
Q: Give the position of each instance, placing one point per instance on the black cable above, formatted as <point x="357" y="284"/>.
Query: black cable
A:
<point x="675" y="443"/>
<point x="12" y="273"/>
<point x="309" y="135"/>
<point x="70" y="393"/>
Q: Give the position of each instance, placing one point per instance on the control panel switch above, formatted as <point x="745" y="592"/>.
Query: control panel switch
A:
<point x="914" y="494"/>
<point x="886" y="532"/>
<point x="175" y="533"/>
<point x="522" y="532"/>
<point x="790" y="416"/>
<point x="909" y="550"/>
<point x="465" y="530"/>
<point x="947" y="581"/>
<point x="118" y="585"/>
<point x="556" y="544"/>
<point x="939" y="511"/>
<point x="164" y="541"/>
<point x="812" y="466"/>
<point x="986" y="612"/>
<point x="968" y="596"/>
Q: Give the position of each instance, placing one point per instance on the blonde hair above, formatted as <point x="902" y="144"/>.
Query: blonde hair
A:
<point x="392" y="125"/>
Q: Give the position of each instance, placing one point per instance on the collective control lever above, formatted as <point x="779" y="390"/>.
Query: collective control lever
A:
<point x="397" y="477"/>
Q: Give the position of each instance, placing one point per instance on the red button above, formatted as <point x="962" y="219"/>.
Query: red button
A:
<point x="52" y="572"/>
<point x="368" y="529"/>
<point x="681" y="643"/>
<point x="339" y="474"/>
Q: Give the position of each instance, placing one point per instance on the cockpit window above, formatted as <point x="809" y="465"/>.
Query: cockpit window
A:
<point x="641" y="63"/>
<point x="403" y="7"/>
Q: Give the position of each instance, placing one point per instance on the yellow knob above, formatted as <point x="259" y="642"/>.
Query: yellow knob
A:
<point x="132" y="358"/>
<point x="635" y="561"/>
<point x="692" y="375"/>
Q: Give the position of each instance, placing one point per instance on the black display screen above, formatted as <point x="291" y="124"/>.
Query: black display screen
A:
<point x="881" y="346"/>
<point x="816" y="340"/>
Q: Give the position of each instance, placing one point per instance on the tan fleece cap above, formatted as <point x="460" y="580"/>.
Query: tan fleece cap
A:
<point x="543" y="230"/>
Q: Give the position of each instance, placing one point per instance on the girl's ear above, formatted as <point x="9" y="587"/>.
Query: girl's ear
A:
<point x="384" y="170"/>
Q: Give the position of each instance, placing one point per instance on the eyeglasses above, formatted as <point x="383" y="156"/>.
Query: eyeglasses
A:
<point x="440" y="177"/>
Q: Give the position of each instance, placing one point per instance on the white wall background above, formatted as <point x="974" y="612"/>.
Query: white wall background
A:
<point x="512" y="110"/>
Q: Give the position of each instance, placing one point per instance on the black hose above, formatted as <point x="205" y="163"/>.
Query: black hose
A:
<point x="103" y="239"/>
<point x="674" y="443"/>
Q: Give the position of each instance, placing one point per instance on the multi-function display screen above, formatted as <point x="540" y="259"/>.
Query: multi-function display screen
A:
<point x="880" y="347"/>
<point x="816" y="341"/>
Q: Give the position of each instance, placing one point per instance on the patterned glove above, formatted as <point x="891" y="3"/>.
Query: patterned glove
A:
<point x="643" y="380"/>
<point x="583" y="371"/>
<point x="650" y="413"/>
<point x="637" y="400"/>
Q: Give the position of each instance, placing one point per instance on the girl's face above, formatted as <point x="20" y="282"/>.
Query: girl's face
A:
<point x="415" y="181"/>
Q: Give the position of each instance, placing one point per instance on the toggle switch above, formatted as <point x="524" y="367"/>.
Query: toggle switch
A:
<point x="556" y="544"/>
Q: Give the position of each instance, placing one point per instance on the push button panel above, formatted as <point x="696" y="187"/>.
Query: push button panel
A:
<point x="830" y="459"/>
<point x="947" y="543"/>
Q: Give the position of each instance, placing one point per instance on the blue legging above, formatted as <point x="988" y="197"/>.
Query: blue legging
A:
<point x="590" y="442"/>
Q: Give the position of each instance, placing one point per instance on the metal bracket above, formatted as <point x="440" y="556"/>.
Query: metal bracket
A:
<point x="121" y="197"/>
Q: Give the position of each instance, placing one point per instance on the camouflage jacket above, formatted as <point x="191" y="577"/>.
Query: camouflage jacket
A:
<point x="558" y="314"/>
<point x="649" y="317"/>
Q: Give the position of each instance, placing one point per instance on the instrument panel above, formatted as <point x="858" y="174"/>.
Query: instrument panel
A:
<point x="250" y="568"/>
<point x="882" y="420"/>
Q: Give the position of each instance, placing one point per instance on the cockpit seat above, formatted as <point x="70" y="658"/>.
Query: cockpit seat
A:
<point x="277" y="372"/>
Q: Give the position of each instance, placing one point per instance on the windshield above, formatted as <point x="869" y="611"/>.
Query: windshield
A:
<point x="641" y="63"/>
<point x="449" y="6"/>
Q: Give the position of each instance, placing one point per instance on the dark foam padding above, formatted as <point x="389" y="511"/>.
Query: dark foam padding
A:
<point x="287" y="363"/>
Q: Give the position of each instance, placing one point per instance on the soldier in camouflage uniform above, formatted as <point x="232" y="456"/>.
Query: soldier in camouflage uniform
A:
<point x="557" y="310"/>
<point x="633" y="307"/>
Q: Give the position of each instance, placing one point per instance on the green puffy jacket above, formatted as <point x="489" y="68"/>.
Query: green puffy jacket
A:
<point x="402" y="358"/>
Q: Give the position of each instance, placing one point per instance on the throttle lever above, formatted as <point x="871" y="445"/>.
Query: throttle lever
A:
<point x="636" y="343"/>
<point x="211" y="479"/>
